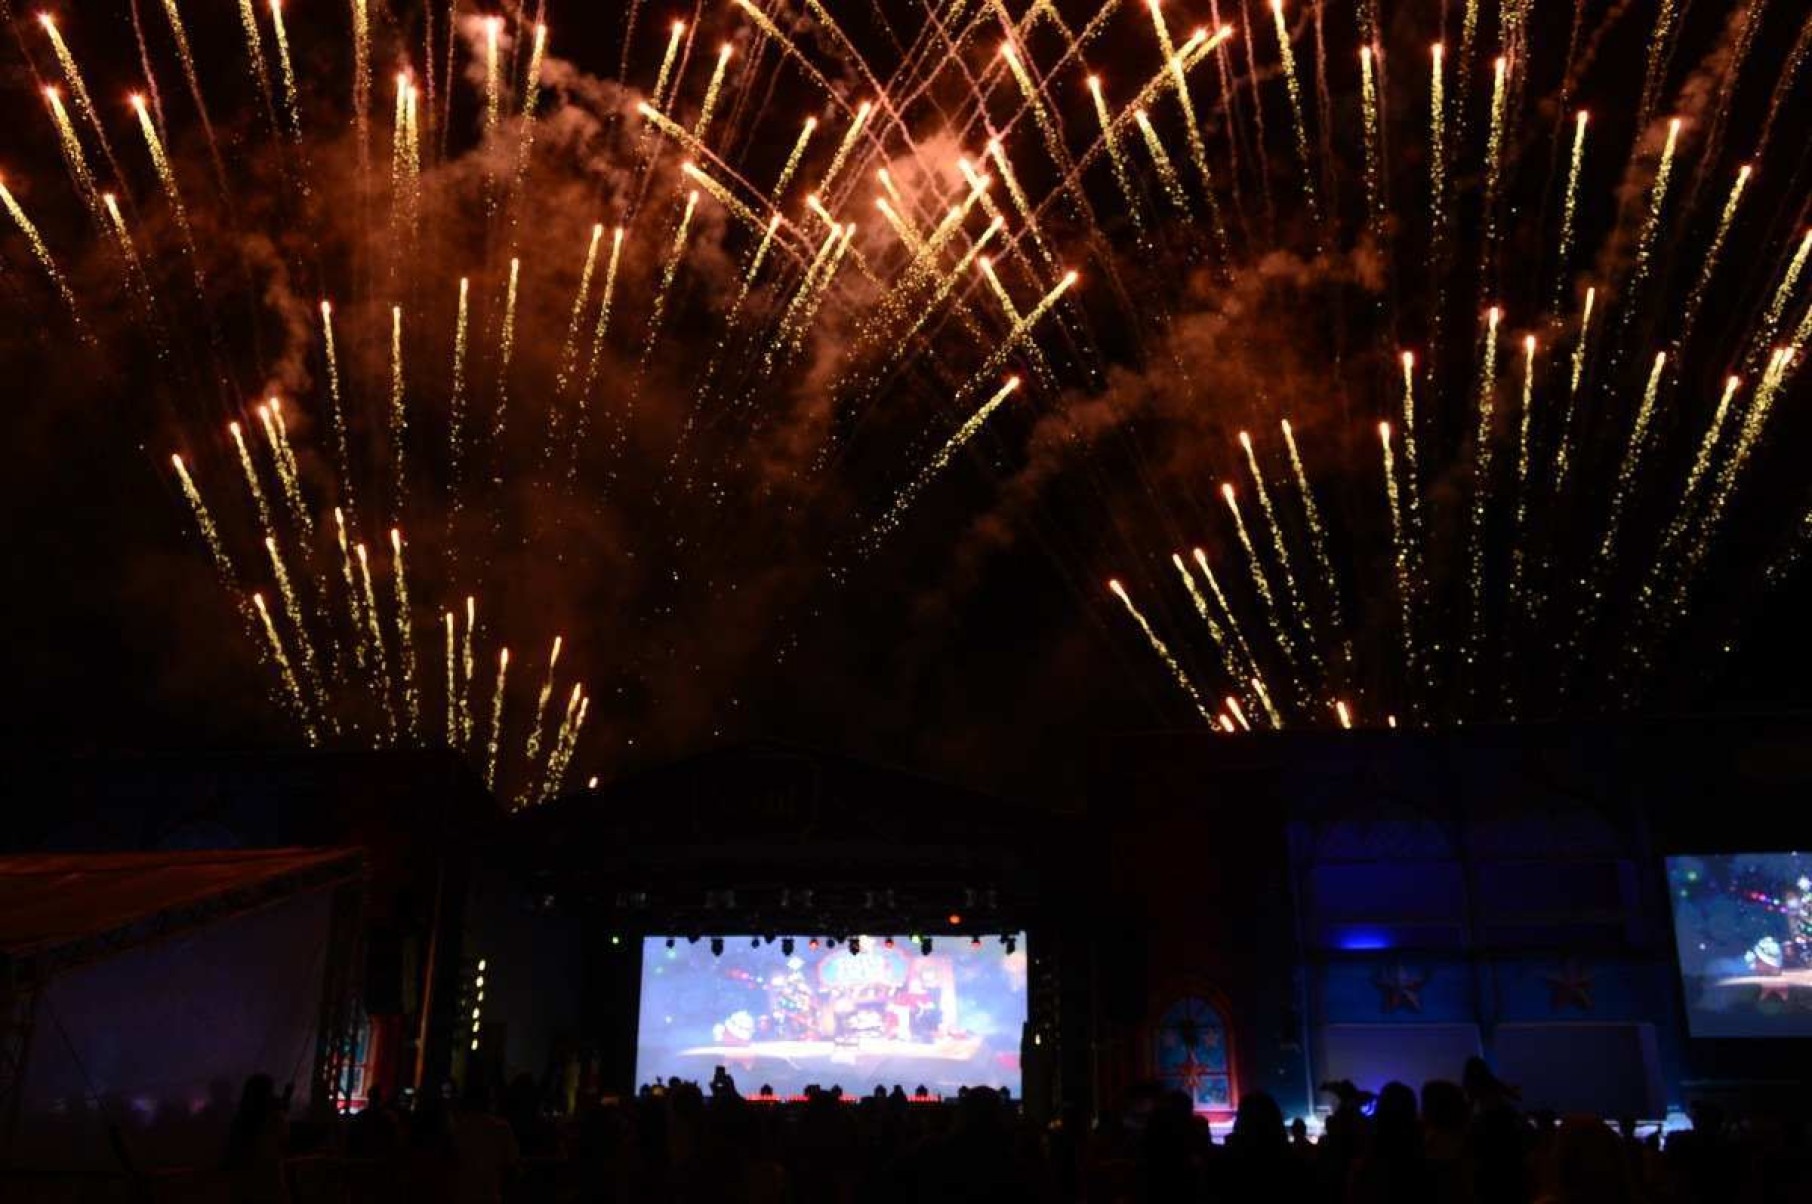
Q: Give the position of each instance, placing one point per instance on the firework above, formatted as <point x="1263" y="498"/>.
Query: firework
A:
<point x="38" y="248"/>
<point x="286" y="671"/>
<point x="1296" y="113"/>
<point x="1164" y="654"/>
<point x="1570" y="205"/>
<point x="496" y="740"/>
<point x="817" y="342"/>
<point x="405" y="633"/>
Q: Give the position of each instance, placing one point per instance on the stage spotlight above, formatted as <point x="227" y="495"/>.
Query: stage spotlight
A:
<point x="956" y="917"/>
<point x="924" y="946"/>
<point x="888" y="943"/>
<point x="975" y="942"/>
<point x="786" y="946"/>
<point x="754" y="942"/>
<point x="830" y="942"/>
<point x="669" y="942"/>
<point x="812" y="944"/>
<point x="717" y="946"/>
<point x="855" y="945"/>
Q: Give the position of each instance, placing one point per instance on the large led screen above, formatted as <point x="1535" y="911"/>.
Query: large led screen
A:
<point x="821" y="1014"/>
<point x="1743" y="930"/>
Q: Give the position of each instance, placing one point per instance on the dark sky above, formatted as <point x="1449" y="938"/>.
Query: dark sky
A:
<point x="714" y="582"/>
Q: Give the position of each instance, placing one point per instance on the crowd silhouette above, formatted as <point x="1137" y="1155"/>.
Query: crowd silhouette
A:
<point x="1461" y="1142"/>
<point x="1452" y="1142"/>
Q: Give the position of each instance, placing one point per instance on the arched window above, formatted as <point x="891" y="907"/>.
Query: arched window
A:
<point x="1191" y="1054"/>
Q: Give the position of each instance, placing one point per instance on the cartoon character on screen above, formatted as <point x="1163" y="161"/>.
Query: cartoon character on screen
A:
<point x="738" y="1028"/>
<point x="918" y="1004"/>
<point x="1764" y="958"/>
<point x="790" y="1002"/>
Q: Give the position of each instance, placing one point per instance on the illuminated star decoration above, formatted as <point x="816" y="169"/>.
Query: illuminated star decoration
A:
<point x="1569" y="986"/>
<point x="1400" y="988"/>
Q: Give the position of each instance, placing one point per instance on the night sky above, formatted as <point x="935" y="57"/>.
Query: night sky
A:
<point x="712" y="566"/>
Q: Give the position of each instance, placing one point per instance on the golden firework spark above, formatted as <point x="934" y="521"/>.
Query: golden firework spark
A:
<point x="1570" y="206"/>
<point x="1486" y="398"/>
<point x="374" y="632"/>
<point x="38" y="248"/>
<point x="399" y="414"/>
<point x="1163" y="651"/>
<point x="791" y="167"/>
<point x="496" y="740"/>
<point x="1167" y="172"/>
<point x="1297" y="116"/>
<point x="204" y="521"/>
<point x="709" y="108"/>
<point x="533" y="748"/>
<point x="291" y="104"/>
<point x="903" y="501"/>
<point x="405" y="633"/>
<point x="291" y="686"/>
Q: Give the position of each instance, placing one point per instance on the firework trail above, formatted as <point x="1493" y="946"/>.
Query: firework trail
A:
<point x="708" y="108"/>
<point x="1481" y="487"/>
<point x="1783" y="293"/>
<point x="496" y="740"/>
<point x="399" y="415"/>
<point x="1632" y="461"/>
<point x="180" y="36"/>
<point x="292" y="105"/>
<point x="890" y="521"/>
<point x="1570" y="207"/>
<point x="506" y="347"/>
<point x="281" y="458"/>
<point x="1164" y="654"/>
<point x="602" y="327"/>
<point x="457" y="402"/>
<point x="336" y="406"/>
<point x="1167" y="172"/>
<point x="1198" y="151"/>
<point x="1296" y="113"/>
<point x="850" y="137"/>
<point x="791" y="167"/>
<point x="493" y="77"/>
<point x="1645" y="241"/>
<point x="405" y="634"/>
<point x="78" y="89"/>
<point x="161" y="161"/>
<point x="1372" y="125"/>
<point x="1260" y="580"/>
<point x="1235" y="670"/>
<point x="1318" y="538"/>
<point x="1122" y="177"/>
<point x="375" y="633"/>
<point x="466" y="665"/>
<point x="204" y="521"/>
<point x="255" y="65"/>
<point x="292" y="609"/>
<point x="676" y="250"/>
<point x="1400" y="553"/>
<point x="361" y="73"/>
<point x="291" y="686"/>
<point x="533" y="748"/>
<point x="1233" y="628"/>
<point x="1696" y="298"/>
<point x="1525" y="419"/>
<point x="452" y="683"/>
<point x="355" y="609"/>
<point x="1279" y="545"/>
<point x="1581" y="346"/>
<point x="39" y="250"/>
<point x="76" y="159"/>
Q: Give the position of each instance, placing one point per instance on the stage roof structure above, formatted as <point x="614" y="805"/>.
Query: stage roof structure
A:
<point x="61" y="910"/>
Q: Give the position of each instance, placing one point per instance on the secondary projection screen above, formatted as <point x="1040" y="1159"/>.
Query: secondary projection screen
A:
<point x="1743" y="930"/>
<point x="823" y="1015"/>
